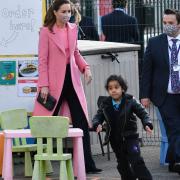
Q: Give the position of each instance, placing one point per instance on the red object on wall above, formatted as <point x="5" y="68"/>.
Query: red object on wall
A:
<point x="105" y="7"/>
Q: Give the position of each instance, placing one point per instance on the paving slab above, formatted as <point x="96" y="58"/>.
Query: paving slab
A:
<point x="150" y="154"/>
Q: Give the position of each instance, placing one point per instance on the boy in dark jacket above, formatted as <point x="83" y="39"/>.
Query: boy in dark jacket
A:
<point x="118" y="111"/>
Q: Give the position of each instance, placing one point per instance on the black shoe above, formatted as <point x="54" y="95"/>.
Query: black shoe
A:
<point x="174" y="168"/>
<point x="93" y="170"/>
<point x="170" y="167"/>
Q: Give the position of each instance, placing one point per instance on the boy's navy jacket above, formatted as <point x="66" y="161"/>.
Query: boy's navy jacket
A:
<point x="122" y="123"/>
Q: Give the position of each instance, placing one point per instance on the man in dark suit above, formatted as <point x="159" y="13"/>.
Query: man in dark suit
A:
<point x="87" y="29"/>
<point x="161" y="81"/>
<point x="119" y="26"/>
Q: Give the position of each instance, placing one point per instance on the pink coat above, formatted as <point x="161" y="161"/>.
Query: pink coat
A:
<point x="52" y="68"/>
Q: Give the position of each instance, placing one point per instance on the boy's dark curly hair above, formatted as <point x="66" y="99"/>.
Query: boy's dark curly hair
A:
<point x="119" y="79"/>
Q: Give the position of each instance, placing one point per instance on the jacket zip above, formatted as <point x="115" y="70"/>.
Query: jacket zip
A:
<point x="107" y="120"/>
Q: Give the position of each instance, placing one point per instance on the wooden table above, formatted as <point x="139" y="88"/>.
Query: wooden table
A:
<point x="78" y="153"/>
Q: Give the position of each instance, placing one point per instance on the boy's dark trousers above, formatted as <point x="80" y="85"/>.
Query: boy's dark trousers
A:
<point x="130" y="163"/>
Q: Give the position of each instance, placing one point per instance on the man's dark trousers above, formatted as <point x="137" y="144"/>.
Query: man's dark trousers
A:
<point x="170" y="112"/>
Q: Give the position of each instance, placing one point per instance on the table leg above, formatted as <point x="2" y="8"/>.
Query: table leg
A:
<point x="78" y="158"/>
<point x="75" y="158"/>
<point x="4" y="155"/>
<point x="7" y="161"/>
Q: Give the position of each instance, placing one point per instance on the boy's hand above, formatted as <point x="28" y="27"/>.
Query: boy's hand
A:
<point x="149" y="131"/>
<point x="99" y="128"/>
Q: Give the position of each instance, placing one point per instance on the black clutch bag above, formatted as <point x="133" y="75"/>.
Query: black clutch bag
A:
<point x="50" y="103"/>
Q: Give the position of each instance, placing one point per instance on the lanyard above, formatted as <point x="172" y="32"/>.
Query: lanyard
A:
<point x="177" y="50"/>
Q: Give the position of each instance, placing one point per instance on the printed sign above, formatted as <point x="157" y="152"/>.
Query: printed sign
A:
<point x="7" y="72"/>
<point x="28" y="68"/>
<point x="20" y="24"/>
<point x="27" y="88"/>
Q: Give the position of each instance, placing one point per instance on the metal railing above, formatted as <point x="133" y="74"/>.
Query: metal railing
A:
<point x="149" y="14"/>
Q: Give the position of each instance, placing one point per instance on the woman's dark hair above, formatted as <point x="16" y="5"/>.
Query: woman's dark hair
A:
<point x="119" y="79"/>
<point x="119" y="3"/>
<point x="175" y="12"/>
<point x="50" y="18"/>
<point x="75" y="1"/>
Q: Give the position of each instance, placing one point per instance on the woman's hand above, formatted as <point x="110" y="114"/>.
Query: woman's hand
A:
<point x="87" y="75"/>
<point x="99" y="128"/>
<point x="44" y="93"/>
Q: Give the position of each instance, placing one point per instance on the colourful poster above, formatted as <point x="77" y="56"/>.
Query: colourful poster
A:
<point x="7" y="72"/>
<point x="27" y="88"/>
<point x="28" y="68"/>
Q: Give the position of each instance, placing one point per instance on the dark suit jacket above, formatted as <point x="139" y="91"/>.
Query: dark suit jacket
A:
<point x="155" y="75"/>
<point x="120" y="27"/>
<point x="88" y="28"/>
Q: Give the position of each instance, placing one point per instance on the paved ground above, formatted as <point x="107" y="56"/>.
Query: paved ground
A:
<point x="150" y="154"/>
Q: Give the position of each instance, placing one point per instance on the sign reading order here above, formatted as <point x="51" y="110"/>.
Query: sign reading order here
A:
<point x="20" y="24"/>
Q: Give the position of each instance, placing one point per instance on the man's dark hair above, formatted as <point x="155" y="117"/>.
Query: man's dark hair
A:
<point x="119" y="79"/>
<point x="119" y="3"/>
<point x="175" y="12"/>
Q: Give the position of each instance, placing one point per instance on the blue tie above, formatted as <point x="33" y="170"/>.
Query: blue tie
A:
<point x="116" y="107"/>
<point x="175" y="83"/>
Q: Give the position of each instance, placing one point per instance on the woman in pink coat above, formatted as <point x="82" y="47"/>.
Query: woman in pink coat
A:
<point x="60" y="65"/>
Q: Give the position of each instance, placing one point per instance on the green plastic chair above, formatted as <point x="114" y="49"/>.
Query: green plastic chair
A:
<point x="17" y="119"/>
<point x="50" y="128"/>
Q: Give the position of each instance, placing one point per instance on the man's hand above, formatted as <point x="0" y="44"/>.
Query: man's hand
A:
<point x="145" y="102"/>
<point x="148" y="130"/>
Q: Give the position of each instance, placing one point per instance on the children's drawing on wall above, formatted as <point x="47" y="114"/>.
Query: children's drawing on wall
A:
<point x="7" y="72"/>
<point x="28" y="68"/>
<point x="27" y="88"/>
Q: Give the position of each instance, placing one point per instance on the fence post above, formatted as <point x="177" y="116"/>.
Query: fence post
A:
<point x="139" y="16"/>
